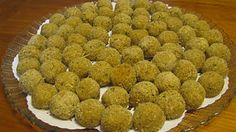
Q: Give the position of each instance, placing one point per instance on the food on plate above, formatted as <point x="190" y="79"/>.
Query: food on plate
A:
<point x="212" y="36"/>
<point x="189" y="19"/>
<point x="168" y="37"/>
<point x="50" y="53"/>
<point x="105" y="11"/>
<point x="132" y="55"/>
<point x="38" y="41"/>
<point x="99" y="33"/>
<point x="65" y="30"/>
<point x="154" y="28"/>
<point x="185" y="34"/>
<point x="29" y="51"/>
<point x="173" y="23"/>
<point x="159" y="16"/>
<point x="141" y="11"/>
<point x="175" y="11"/>
<point x="72" y="51"/>
<point x="89" y="15"/>
<point x="26" y="64"/>
<point x="197" y="57"/>
<point x="120" y="41"/>
<point x="121" y="18"/>
<point x="136" y="35"/>
<point x="80" y="66"/>
<point x="219" y="50"/>
<point x="140" y="22"/>
<point x="110" y="55"/>
<point x="72" y="11"/>
<point x="76" y="38"/>
<point x="103" y="21"/>
<point x="121" y="28"/>
<point x="142" y="4"/>
<point x="197" y="43"/>
<point x="150" y="45"/>
<point x="165" y="60"/>
<point x="104" y="3"/>
<point x="49" y="29"/>
<point x="66" y="81"/>
<point x="92" y="48"/>
<point x="57" y="18"/>
<point x="158" y="6"/>
<point x="56" y="41"/>
<point x="83" y="29"/>
<point x="175" y="48"/>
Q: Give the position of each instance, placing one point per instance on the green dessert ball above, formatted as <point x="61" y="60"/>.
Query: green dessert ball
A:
<point x="136" y="35"/>
<point x="158" y="6"/>
<point x="42" y="94"/>
<point x="125" y="10"/>
<point x="115" y="95"/>
<point x="200" y="26"/>
<point x="175" y="11"/>
<point x="66" y="81"/>
<point x="88" y="16"/>
<point x="219" y="50"/>
<point x="26" y="64"/>
<point x="159" y="16"/>
<point x="175" y="48"/>
<point x="121" y="18"/>
<point x="38" y="41"/>
<point x="132" y="55"/>
<point x="105" y="11"/>
<point x="72" y="11"/>
<point x="155" y="28"/>
<point x="65" y="30"/>
<point x="212" y="82"/>
<point x="197" y="43"/>
<point x="92" y="48"/>
<point x="91" y="6"/>
<point x="110" y="55"/>
<point x="148" y="117"/>
<point x="212" y="36"/>
<point x="167" y="81"/>
<point x="73" y="21"/>
<point x="141" y="11"/>
<point x="29" y="51"/>
<point x="83" y="29"/>
<point x="120" y="41"/>
<point x="29" y="80"/>
<point x="189" y="19"/>
<point x="121" y="28"/>
<point x="63" y="104"/>
<point x="99" y="33"/>
<point x="56" y="41"/>
<point x="80" y="66"/>
<point x="168" y="37"/>
<point x="49" y="29"/>
<point x="103" y="21"/>
<point x="173" y="23"/>
<point x="150" y="45"/>
<point x="140" y="22"/>
<point x="104" y="3"/>
<point x="89" y="112"/>
<point x="77" y="39"/>
<point x="72" y="51"/>
<point x="57" y="18"/>
<point x="50" y="53"/>
<point x="142" y="4"/>
<point x="197" y="57"/>
<point x="88" y="88"/>
<point x="165" y="60"/>
<point x="185" y="34"/>
<point x="193" y="94"/>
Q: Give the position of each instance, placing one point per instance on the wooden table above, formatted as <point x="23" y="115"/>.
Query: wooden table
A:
<point x="16" y="15"/>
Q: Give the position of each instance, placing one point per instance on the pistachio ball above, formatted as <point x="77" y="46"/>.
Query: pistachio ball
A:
<point x="116" y="118"/>
<point x="216" y="64"/>
<point x="63" y="104"/>
<point x="88" y="88"/>
<point x="57" y="18"/>
<point x="29" y="80"/>
<point x="50" y="69"/>
<point x="197" y="43"/>
<point x="91" y="6"/>
<point x="219" y="50"/>
<point x="42" y="94"/>
<point x="200" y="26"/>
<point x="148" y="117"/>
<point x="185" y="34"/>
<point x="76" y="38"/>
<point x="26" y="64"/>
<point x="110" y="55"/>
<point x="185" y="70"/>
<point x="101" y="72"/>
<point x="72" y="51"/>
<point x="175" y="48"/>
<point x="212" y="82"/>
<point x="165" y="60"/>
<point x="140" y="22"/>
<point x="136" y="35"/>
<point x="38" y="41"/>
<point x="197" y="57"/>
<point x="49" y="29"/>
<point x="124" y="9"/>
<point x="88" y="16"/>
<point x="120" y="3"/>
<point x="175" y="11"/>
<point x="172" y="104"/>
<point x="212" y="36"/>
<point x="142" y="92"/>
<point x="168" y="37"/>
<point x="146" y="70"/>
<point x="104" y="3"/>
<point x="84" y="29"/>
<point x="193" y="94"/>
<point x="121" y="28"/>
<point x="56" y="41"/>
<point x="72" y="11"/>
<point x="173" y="23"/>
<point x="141" y="11"/>
<point x="123" y="75"/>
<point x="88" y="113"/>
<point x="100" y="34"/>
<point x="66" y="81"/>
<point x="115" y="95"/>
<point x="73" y="21"/>
<point x="189" y="19"/>
<point x="105" y="11"/>
<point x="150" y="45"/>
<point x="142" y="4"/>
<point x="29" y="51"/>
<point x="65" y="30"/>
<point x="155" y="28"/>
<point x="103" y="21"/>
<point x="50" y="53"/>
<point x="167" y="81"/>
<point x="80" y="66"/>
<point x="158" y="6"/>
<point x="120" y="41"/>
<point x="92" y="48"/>
<point x="159" y="16"/>
<point x="132" y="55"/>
<point x="121" y="18"/>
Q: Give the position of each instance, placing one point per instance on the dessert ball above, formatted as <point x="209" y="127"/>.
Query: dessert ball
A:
<point x="99" y="33"/>
<point x="92" y="48"/>
<point x="116" y="118"/>
<point x="84" y="29"/>
<point x="80" y="66"/>
<point x="141" y="11"/>
<point x="115" y="95"/>
<point x="173" y="23"/>
<point x="193" y="94"/>
<point x="66" y="81"/>
<point x="140" y="22"/>
<point x="142" y="92"/>
<point x="120" y="41"/>
<point x="29" y="51"/>
<point x="185" y="34"/>
<point x="175" y="11"/>
<point x="168" y="37"/>
<point x="189" y="19"/>
<point x="121" y="28"/>
<point x="103" y="21"/>
<point x="124" y="9"/>
<point x="91" y="6"/>
<point x="137" y="35"/>
<point x="154" y="28"/>
<point x="63" y="104"/>
<point x="185" y="70"/>
<point x="146" y="70"/>
<point x="65" y="30"/>
<point x="158" y="6"/>
<point x="42" y="94"/>
<point x="121" y="18"/>
<point x="88" y="88"/>
<point x="212" y="36"/>
<point x="26" y="64"/>
<point x="172" y="104"/>
<point x="200" y="26"/>
<point x="76" y="38"/>
<point x="197" y="57"/>
<point x="132" y="55"/>
<point x="101" y="72"/>
<point x="150" y="45"/>
<point x="50" y="69"/>
<point x="72" y="51"/>
<point x="38" y="41"/>
<point x="49" y="29"/>
<point x="165" y="60"/>
<point x="216" y="64"/>
<point x="56" y="41"/>
<point x="167" y="81"/>
<point x="73" y="21"/>
<point x="29" y="80"/>
<point x="105" y="11"/>
<point x="89" y="112"/>
<point x="88" y="16"/>
<point x="219" y="50"/>
<point x="57" y="18"/>
<point x="142" y="4"/>
<point x="197" y="43"/>
<point x="175" y="48"/>
<point x="148" y="117"/>
<point x="104" y="3"/>
<point x="120" y="3"/>
<point x="159" y="16"/>
<point x="110" y="55"/>
<point x="72" y="11"/>
<point x="50" y="53"/>
<point x="212" y="82"/>
<point x="123" y="75"/>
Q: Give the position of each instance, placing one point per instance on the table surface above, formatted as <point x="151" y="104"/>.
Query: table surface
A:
<point x="17" y="15"/>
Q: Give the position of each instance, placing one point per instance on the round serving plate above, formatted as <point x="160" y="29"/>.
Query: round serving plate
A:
<point x="191" y="121"/>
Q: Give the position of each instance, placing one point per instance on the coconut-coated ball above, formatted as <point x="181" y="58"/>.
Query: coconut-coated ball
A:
<point x="197" y="57"/>
<point x="168" y="37"/>
<point x="150" y="45"/>
<point x="154" y="28"/>
<point x="71" y="52"/>
<point x="197" y="43"/>
<point x="66" y="81"/>
<point x="132" y="55"/>
<point x="120" y="41"/>
<point x="175" y="48"/>
<point x="80" y="66"/>
<point x="57" y="42"/>
<point x="219" y="50"/>
<point x="92" y="48"/>
<point x="110" y="55"/>
<point x="26" y="64"/>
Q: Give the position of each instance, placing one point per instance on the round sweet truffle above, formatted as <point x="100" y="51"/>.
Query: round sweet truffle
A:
<point x="26" y="64"/>
<point x="154" y="28"/>
<point x="38" y="41"/>
<point x="120" y="41"/>
<point x="137" y="35"/>
<point x="49" y="29"/>
<point x="159" y="16"/>
<point x="175" y="11"/>
<point x="66" y="81"/>
<point x="83" y="29"/>
<point x="91" y="6"/>
<point x="121" y="18"/>
<point x="165" y="60"/>
<point x="173" y="23"/>
<point x="65" y="30"/>
<point x="140" y="22"/>
<point x="212" y="36"/>
<point x="104" y="3"/>
<point x="88" y="16"/>
<point x="150" y="45"/>
<point x="197" y="43"/>
<point x="132" y="55"/>
<point x="121" y="28"/>
<point x="103" y="21"/>
<point x="189" y="19"/>
<point x="142" y="4"/>
<point x="92" y="48"/>
<point x="56" y="41"/>
<point x="29" y="51"/>
<point x="76" y="38"/>
<point x="72" y="51"/>
<point x="99" y="33"/>
<point x="168" y="37"/>
<point x="105" y="11"/>
<point x="212" y="82"/>
<point x="57" y="18"/>
<point x="72" y="11"/>
<point x="110" y="55"/>
<point x="141" y="11"/>
<point x="197" y="57"/>
<point x="115" y="96"/>
<point x="158" y="6"/>
<point x="219" y="50"/>
<point x="124" y="9"/>
<point x="73" y="21"/>
<point x="175" y="48"/>
<point x="63" y="104"/>
<point x="185" y="34"/>
<point x="49" y="54"/>
<point x="80" y="66"/>
<point x="200" y="26"/>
